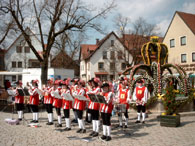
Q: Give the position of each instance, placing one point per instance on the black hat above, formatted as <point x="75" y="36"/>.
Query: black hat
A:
<point x="140" y="81"/>
<point x="105" y="85"/>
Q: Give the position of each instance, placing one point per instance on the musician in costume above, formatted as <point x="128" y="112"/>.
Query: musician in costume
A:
<point x="48" y="100"/>
<point x="93" y="107"/>
<point x="34" y="100"/>
<point x="79" y="106"/>
<point x="66" y="104"/>
<point x="73" y="88"/>
<point x="57" y="100"/>
<point x="140" y="95"/>
<point x="123" y="96"/>
<point x="106" y="110"/>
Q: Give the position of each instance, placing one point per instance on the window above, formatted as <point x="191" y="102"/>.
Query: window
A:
<point x="88" y="66"/>
<point x="112" y="55"/>
<point x="19" y="64"/>
<point x="13" y="64"/>
<point x="19" y="77"/>
<point x="112" y="42"/>
<point x="172" y="43"/>
<point x="183" y="58"/>
<point x="100" y="65"/>
<point x="123" y="66"/>
<point x="112" y="66"/>
<point x="193" y="57"/>
<point x="33" y="63"/>
<point x="105" y="55"/>
<point x="183" y="40"/>
<point x="13" y="78"/>
<point x="27" y="49"/>
<point x="19" y="49"/>
<point x="120" y="55"/>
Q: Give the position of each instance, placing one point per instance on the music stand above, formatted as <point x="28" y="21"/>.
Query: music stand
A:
<point x="67" y="96"/>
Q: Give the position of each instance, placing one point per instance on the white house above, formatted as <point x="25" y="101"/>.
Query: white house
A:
<point x="106" y="59"/>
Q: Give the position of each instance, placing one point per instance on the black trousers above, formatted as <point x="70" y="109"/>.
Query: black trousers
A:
<point x="34" y="108"/>
<point x="66" y="113"/>
<point x="95" y="114"/>
<point x="58" y="111"/>
<point x="126" y="114"/>
<point x="19" y="106"/>
<point x="141" y="108"/>
<point x="106" y="117"/>
<point x="49" y="108"/>
<point x="79" y="114"/>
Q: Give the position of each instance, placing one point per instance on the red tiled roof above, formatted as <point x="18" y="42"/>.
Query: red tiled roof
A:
<point x="87" y="49"/>
<point x="189" y="19"/>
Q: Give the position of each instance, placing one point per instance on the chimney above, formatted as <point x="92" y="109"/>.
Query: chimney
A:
<point x="97" y="41"/>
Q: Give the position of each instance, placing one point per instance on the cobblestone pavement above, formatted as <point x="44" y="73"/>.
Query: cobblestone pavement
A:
<point x="149" y="134"/>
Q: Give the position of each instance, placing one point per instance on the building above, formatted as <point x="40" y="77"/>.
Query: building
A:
<point x="106" y="59"/>
<point x="2" y="63"/>
<point x="180" y="39"/>
<point x="19" y="58"/>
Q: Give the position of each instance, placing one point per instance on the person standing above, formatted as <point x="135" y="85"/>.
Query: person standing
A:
<point x="48" y="100"/>
<point x="124" y="98"/>
<point x="34" y="100"/>
<point x="94" y="107"/>
<point x="79" y="106"/>
<point x="140" y="95"/>
<point x="106" y="110"/>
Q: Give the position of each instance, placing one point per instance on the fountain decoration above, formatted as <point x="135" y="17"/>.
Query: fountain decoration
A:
<point x="155" y="71"/>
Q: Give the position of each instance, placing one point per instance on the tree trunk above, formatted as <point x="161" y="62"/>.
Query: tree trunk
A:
<point x="44" y="71"/>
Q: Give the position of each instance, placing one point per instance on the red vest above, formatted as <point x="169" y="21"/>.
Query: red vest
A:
<point x="34" y="99"/>
<point x="123" y="97"/>
<point x="48" y="99"/>
<point x="106" y="108"/>
<point x="79" y="104"/>
<point x="140" y="93"/>
<point x="57" y="102"/>
<point x="65" y="103"/>
<point x="94" y="105"/>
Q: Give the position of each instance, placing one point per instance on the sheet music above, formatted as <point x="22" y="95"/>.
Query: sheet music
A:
<point x="101" y="99"/>
<point x="80" y="97"/>
<point x="56" y="95"/>
<point x="67" y="96"/>
<point x="11" y="92"/>
<point x="40" y="92"/>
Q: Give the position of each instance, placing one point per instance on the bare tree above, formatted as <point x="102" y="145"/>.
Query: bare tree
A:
<point x="52" y="18"/>
<point x="135" y="37"/>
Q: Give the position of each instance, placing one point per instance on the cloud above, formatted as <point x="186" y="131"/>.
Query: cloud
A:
<point x="189" y="7"/>
<point x="163" y="26"/>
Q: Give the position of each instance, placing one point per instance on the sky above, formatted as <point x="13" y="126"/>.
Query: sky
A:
<point x="158" y="12"/>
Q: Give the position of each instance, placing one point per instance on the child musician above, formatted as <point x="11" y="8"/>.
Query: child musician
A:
<point x="140" y="95"/>
<point x="34" y="100"/>
<point x="124" y="98"/>
<point x="106" y="110"/>
<point x="94" y="107"/>
<point x="57" y="101"/>
<point x="79" y="106"/>
<point x="19" y="101"/>
<point x="48" y="100"/>
<point x="66" y="104"/>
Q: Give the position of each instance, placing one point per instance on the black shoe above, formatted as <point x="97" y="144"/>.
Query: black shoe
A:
<point x="92" y="133"/>
<point x="137" y="121"/>
<point x="20" y="119"/>
<point x="32" y="121"/>
<point x="67" y="129"/>
<point x="120" y="126"/>
<point x="78" y="131"/>
<point x="59" y="125"/>
<point x="84" y="131"/>
<point x="108" y="138"/>
<point x="143" y="122"/>
<point x="95" y="134"/>
<point x="36" y="121"/>
<point x="103" y="137"/>
<point x="125" y="126"/>
<point x="50" y="123"/>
